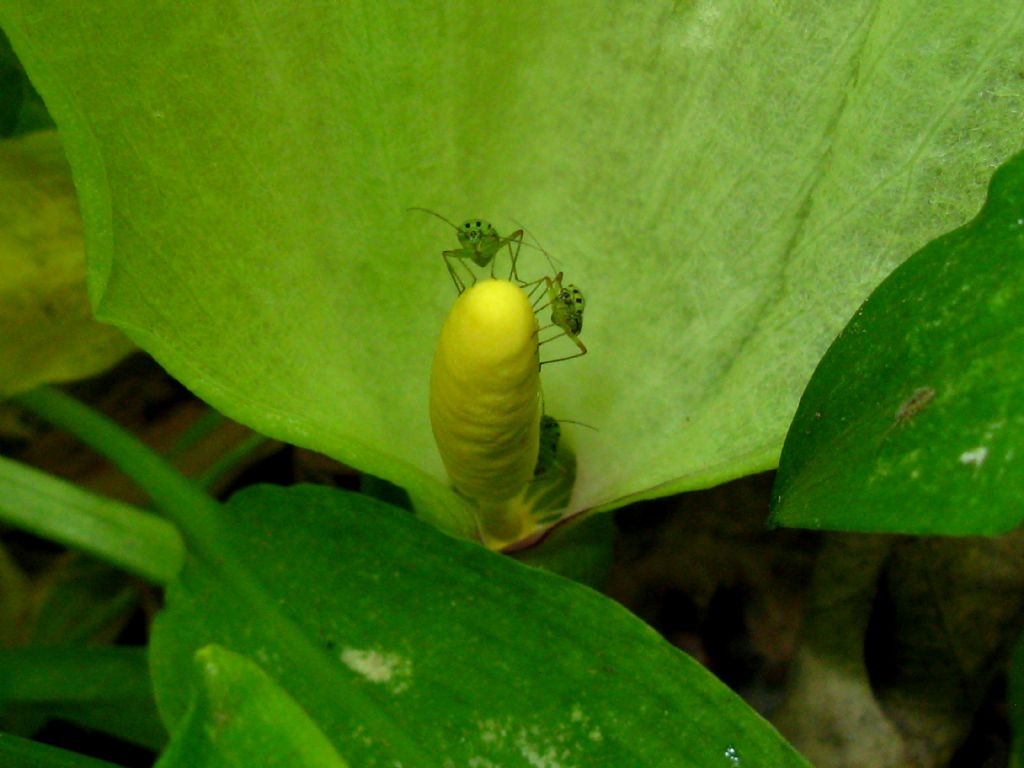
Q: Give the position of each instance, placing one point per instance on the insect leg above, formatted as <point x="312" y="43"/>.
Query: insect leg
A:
<point x="460" y="255"/>
<point x="575" y="339"/>
<point x="551" y="292"/>
<point x="564" y="316"/>
<point x="517" y="238"/>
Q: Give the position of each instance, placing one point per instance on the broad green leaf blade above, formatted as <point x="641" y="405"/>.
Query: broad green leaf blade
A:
<point x="47" y="332"/>
<point x="113" y="531"/>
<point x="405" y="645"/>
<point x="241" y="717"/>
<point x="912" y="422"/>
<point x="103" y="688"/>
<point x="726" y="182"/>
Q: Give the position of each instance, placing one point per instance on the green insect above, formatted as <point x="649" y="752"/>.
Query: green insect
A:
<point x="567" y="304"/>
<point x="554" y="474"/>
<point x="550" y="437"/>
<point x="550" y="434"/>
<point x="480" y="243"/>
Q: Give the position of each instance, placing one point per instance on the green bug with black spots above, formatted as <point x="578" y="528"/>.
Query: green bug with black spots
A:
<point x="480" y="243"/>
<point x="550" y="435"/>
<point x="567" y="303"/>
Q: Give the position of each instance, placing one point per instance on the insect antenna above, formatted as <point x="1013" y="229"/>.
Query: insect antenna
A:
<point x="435" y="214"/>
<point x="552" y="261"/>
<point x="578" y="424"/>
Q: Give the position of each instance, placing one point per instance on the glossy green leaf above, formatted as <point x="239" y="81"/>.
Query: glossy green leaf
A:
<point x="726" y="182"/>
<point x="240" y="717"/>
<point x="405" y="645"/>
<point x="46" y="328"/>
<point x="912" y="422"/>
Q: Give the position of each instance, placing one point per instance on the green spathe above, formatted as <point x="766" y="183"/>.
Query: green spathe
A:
<point x="724" y="182"/>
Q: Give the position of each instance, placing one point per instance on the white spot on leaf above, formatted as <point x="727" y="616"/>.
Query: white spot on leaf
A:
<point x="388" y="669"/>
<point x="538" y="756"/>
<point x="975" y="456"/>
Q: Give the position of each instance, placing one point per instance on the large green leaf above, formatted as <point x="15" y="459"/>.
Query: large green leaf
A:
<point x="46" y="328"/>
<point x="726" y="181"/>
<point x="405" y="645"/>
<point x="912" y="422"/>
